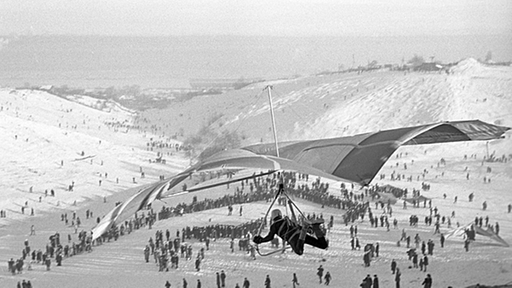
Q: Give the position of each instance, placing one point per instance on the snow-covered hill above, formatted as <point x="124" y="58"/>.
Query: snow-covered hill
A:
<point x="100" y="104"/>
<point x="50" y="143"/>
<point x="40" y="130"/>
<point x="351" y="103"/>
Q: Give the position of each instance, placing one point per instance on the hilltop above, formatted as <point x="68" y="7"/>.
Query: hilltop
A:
<point x="349" y="103"/>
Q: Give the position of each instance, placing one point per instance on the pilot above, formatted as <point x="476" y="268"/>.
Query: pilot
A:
<point x="293" y="233"/>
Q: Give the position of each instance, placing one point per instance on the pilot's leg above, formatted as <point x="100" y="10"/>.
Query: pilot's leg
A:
<point x="296" y="241"/>
<point x="319" y="241"/>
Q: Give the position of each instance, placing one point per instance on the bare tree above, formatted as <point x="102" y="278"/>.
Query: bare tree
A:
<point x="416" y="60"/>
<point x="488" y="57"/>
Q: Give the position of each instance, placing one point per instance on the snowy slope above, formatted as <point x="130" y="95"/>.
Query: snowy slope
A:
<point x="351" y="103"/>
<point x="39" y="130"/>
<point x="309" y="107"/>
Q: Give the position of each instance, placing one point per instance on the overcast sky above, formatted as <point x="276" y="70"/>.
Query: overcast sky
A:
<point x="256" y="17"/>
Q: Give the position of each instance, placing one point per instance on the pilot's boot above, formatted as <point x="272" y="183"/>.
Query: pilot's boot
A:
<point x="314" y="225"/>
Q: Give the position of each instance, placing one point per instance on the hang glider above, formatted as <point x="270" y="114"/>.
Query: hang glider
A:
<point x="354" y="159"/>
<point x="417" y="199"/>
<point x="386" y="197"/>
<point x="460" y="232"/>
<point x="358" y="158"/>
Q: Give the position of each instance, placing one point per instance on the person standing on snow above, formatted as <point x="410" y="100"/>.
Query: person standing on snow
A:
<point x="327" y="278"/>
<point x="267" y="282"/>
<point x="320" y="273"/>
<point x="295" y="281"/>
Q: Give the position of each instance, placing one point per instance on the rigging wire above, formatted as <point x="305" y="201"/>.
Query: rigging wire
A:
<point x="274" y="130"/>
<point x="281" y="192"/>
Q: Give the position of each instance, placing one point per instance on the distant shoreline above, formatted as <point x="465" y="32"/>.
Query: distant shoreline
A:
<point x="169" y="62"/>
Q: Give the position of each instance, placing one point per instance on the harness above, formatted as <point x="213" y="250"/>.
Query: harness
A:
<point x="287" y="223"/>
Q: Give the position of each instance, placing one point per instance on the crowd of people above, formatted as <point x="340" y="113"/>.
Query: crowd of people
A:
<point x="167" y="250"/>
<point x="264" y="189"/>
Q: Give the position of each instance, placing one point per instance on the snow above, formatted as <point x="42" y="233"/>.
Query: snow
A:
<point x="40" y="130"/>
<point x="100" y="104"/>
<point x="308" y="107"/>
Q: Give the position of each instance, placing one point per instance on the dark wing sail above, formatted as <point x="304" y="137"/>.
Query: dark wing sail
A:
<point x="359" y="158"/>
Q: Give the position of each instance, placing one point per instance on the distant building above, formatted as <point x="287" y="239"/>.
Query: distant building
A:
<point x="431" y="66"/>
<point x="46" y="87"/>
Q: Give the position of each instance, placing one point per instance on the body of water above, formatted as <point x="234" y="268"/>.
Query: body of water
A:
<point x="101" y="61"/>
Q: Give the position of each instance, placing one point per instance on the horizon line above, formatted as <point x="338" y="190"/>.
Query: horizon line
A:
<point x="10" y="35"/>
